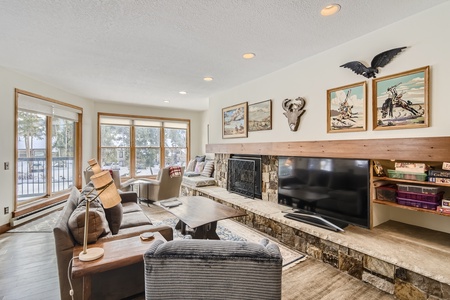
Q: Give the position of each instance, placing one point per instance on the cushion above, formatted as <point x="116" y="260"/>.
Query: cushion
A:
<point x="198" y="181"/>
<point x="191" y="165"/>
<point x="191" y="174"/>
<point x="134" y="219"/>
<point x="200" y="158"/>
<point x="208" y="168"/>
<point x="97" y="223"/>
<point x="114" y="217"/>
<point x="199" y="167"/>
<point x="174" y="171"/>
<point x="130" y="207"/>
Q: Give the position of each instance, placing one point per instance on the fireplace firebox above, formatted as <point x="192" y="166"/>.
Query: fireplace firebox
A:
<point x="244" y="176"/>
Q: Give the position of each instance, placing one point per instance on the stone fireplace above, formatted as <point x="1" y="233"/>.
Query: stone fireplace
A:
<point x="244" y="176"/>
<point x="268" y="178"/>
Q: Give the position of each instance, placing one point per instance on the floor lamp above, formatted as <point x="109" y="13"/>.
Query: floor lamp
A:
<point x="108" y="195"/>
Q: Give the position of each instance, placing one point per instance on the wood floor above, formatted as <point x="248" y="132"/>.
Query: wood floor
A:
<point x="28" y="271"/>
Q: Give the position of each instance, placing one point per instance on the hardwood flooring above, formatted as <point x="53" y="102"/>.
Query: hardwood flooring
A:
<point x="28" y="266"/>
<point x="28" y="271"/>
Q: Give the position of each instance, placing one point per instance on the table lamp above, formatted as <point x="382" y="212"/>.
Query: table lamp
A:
<point x="94" y="166"/>
<point x="108" y="195"/>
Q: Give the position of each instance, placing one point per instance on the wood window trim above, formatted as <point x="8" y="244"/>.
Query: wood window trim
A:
<point x="47" y="200"/>
<point x="132" y="135"/>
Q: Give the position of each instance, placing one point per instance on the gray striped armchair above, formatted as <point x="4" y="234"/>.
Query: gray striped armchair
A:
<point x="210" y="269"/>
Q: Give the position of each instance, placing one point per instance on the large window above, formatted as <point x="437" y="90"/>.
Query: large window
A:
<point x="140" y="146"/>
<point x="46" y="147"/>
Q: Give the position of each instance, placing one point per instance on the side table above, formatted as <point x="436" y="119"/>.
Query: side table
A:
<point x="118" y="253"/>
<point x="136" y="186"/>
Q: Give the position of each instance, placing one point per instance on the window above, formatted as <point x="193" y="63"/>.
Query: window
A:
<point x="46" y="147"/>
<point x="140" y="146"/>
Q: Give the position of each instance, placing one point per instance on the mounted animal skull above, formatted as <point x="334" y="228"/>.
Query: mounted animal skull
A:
<point x="294" y="110"/>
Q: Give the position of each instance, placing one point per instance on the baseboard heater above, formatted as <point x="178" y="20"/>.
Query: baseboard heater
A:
<point x="33" y="215"/>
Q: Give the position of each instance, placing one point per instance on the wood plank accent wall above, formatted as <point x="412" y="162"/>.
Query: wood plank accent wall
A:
<point x="408" y="149"/>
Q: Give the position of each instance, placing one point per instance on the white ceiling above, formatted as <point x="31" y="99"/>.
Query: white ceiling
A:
<point x="146" y="51"/>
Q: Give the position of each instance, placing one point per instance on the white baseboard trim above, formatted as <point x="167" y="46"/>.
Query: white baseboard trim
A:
<point x="26" y="218"/>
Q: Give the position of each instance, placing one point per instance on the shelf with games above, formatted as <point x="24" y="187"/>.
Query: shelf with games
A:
<point x="428" y="183"/>
<point x="394" y="204"/>
<point x="418" y="204"/>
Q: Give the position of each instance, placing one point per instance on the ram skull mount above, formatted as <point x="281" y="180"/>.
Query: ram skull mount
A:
<point x="293" y="111"/>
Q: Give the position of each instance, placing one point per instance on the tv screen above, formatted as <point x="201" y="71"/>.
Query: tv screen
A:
<point x="324" y="190"/>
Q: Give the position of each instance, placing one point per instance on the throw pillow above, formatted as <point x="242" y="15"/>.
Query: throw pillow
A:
<point x="208" y="168"/>
<point x="199" y="167"/>
<point x="200" y="158"/>
<point x="97" y="223"/>
<point x="114" y="217"/>
<point x="191" y="165"/>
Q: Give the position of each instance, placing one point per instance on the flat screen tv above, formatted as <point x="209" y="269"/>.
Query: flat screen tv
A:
<point x="327" y="192"/>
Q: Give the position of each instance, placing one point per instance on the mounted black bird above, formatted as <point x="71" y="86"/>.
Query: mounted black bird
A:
<point x="378" y="61"/>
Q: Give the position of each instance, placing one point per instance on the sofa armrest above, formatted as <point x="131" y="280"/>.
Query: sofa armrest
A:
<point x="128" y="197"/>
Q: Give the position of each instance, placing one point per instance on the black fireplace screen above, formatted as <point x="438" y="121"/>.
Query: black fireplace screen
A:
<point x="241" y="177"/>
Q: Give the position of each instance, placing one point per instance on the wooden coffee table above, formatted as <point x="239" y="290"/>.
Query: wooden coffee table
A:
<point x="201" y="214"/>
<point x="118" y="253"/>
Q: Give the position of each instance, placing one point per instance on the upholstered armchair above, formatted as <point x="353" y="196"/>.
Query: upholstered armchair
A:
<point x="210" y="269"/>
<point x="164" y="187"/>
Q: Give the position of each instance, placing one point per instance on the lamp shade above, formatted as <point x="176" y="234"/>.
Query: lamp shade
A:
<point x="107" y="191"/>
<point x="95" y="167"/>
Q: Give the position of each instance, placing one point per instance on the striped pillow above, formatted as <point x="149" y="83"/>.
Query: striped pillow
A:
<point x="191" y="165"/>
<point x="208" y="169"/>
<point x="199" y="167"/>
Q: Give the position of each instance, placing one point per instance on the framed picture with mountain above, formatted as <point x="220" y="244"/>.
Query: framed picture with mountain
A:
<point x="346" y="108"/>
<point x="260" y="116"/>
<point x="234" y="121"/>
<point x="401" y="100"/>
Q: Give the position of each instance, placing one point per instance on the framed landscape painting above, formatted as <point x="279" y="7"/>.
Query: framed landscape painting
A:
<point x="401" y="100"/>
<point x="234" y="121"/>
<point x="260" y="116"/>
<point x="346" y="108"/>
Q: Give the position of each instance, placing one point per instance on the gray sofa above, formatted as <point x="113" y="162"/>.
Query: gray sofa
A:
<point x="207" y="269"/>
<point x="115" y="284"/>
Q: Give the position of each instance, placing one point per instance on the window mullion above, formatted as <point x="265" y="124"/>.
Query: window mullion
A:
<point x="48" y="160"/>
<point x="132" y="152"/>
<point x="162" y="147"/>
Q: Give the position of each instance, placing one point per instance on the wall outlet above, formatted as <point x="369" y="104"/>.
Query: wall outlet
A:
<point x="6" y="164"/>
<point x="6" y="210"/>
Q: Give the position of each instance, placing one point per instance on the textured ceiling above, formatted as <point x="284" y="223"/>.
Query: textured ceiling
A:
<point x="146" y="51"/>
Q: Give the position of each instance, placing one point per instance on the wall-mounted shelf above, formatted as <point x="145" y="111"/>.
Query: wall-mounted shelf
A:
<point x="375" y="179"/>
<point x="393" y="204"/>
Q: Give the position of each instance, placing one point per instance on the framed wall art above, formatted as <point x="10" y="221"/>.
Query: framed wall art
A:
<point x="234" y="121"/>
<point x="260" y="116"/>
<point x="346" y="108"/>
<point x="401" y="100"/>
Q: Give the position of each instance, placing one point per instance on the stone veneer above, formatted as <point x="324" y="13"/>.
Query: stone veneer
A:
<point x="401" y="282"/>
<point x="269" y="176"/>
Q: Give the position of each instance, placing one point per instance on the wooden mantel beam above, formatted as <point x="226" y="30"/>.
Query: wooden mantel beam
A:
<point x="410" y="149"/>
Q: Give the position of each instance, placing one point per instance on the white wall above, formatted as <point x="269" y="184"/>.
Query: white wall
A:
<point x="312" y="77"/>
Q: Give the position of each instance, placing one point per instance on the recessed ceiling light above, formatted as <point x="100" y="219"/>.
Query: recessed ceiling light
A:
<point x="207" y="78"/>
<point x="166" y="101"/>
<point x="248" y="55"/>
<point x="330" y="9"/>
<point x="183" y="92"/>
